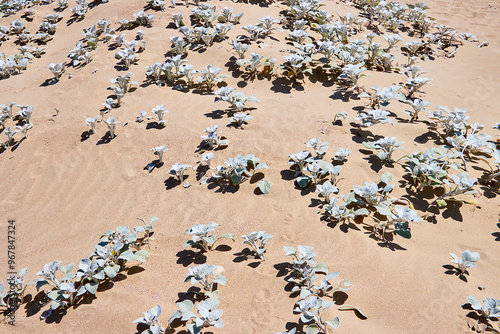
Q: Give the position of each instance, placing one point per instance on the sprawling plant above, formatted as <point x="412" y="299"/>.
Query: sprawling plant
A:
<point x="318" y="147"/>
<point x="151" y="319"/>
<point x="430" y="167"/>
<point x="258" y="241"/>
<point x="237" y="100"/>
<point x="461" y="184"/>
<point x="296" y="66"/>
<point x="202" y="238"/>
<point x="374" y="116"/>
<point x="237" y="170"/>
<point x="341" y="155"/>
<point x="384" y="147"/>
<point x="467" y="261"/>
<point x="314" y="297"/>
<point x="213" y="137"/>
<point x="110" y="255"/>
<point x="381" y="97"/>
<point x="384" y="213"/>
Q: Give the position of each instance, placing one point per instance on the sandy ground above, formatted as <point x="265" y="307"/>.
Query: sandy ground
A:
<point x="64" y="192"/>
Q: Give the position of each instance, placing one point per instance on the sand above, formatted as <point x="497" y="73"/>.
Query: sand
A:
<point x="64" y="192"/>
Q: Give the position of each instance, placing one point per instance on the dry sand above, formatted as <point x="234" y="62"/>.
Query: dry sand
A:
<point x="64" y="192"/>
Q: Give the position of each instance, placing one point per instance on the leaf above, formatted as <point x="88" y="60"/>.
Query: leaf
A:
<point x="264" y="186"/>
<point x="67" y="268"/>
<point x="441" y="203"/>
<point x="362" y="212"/>
<point x="334" y="323"/>
<point x="128" y="255"/>
<point x="383" y="210"/>
<point x="141" y="255"/>
<point x="91" y="287"/>
<point x="321" y="268"/>
<point x="386" y="177"/>
<point x="110" y="272"/>
<point x="403" y="230"/>
<point x="312" y="329"/>
<point x="289" y="250"/>
<point x="303" y="181"/>
<point x="345" y="285"/>
<point x="354" y="308"/>
<point x="236" y="179"/>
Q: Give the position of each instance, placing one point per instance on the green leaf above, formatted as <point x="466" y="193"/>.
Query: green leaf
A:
<point x="403" y="230"/>
<point x="236" y="179"/>
<point x="303" y="181"/>
<point x="441" y="203"/>
<point x="264" y="186"/>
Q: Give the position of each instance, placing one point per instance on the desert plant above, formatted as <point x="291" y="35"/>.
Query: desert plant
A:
<point x="384" y="147"/>
<point x="489" y="313"/>
<point x="202" y="238"/>
<point x="210" y="77"/>
<point x="160" y="111"/>
<point x="467" y="261"/>
<point x="462" y="185"/>
<point x="111" y="123"/>
<point x="417" y="105"/>
<point x="159" y="150"/>
<point x="374" y="116"/>
<point x="208" y="315"/>
<point x="151" y="319"/>
<point x="296" y="66"/>
<point x="92" y="122"/>
<point x="178" y="170"/>
<point x="318" y="147"/>
<point x="236" y="170"/>
<point x="240" y="118"/>
<point x="207" y="275"/>
<point x="258" y="241"/>
<point x="341" y="155"/>
<point x="237" y="100"/>
<point x="57" y="70"/>
<point x="213" y="137"/>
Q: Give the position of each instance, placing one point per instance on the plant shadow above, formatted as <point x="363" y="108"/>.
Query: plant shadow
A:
<point x="187" y="257"/>
<point x="245" y="255"/>
<point x="452" y="270"/>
